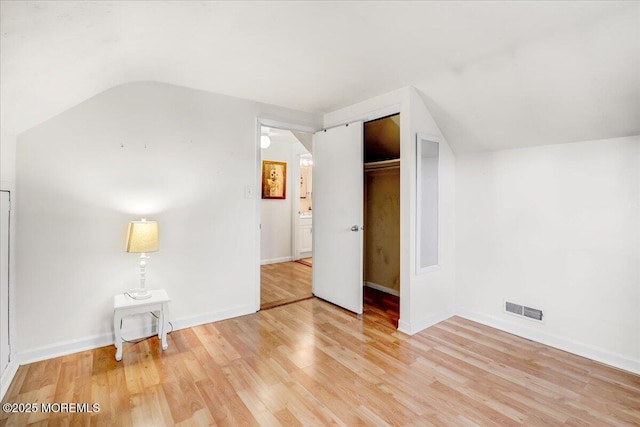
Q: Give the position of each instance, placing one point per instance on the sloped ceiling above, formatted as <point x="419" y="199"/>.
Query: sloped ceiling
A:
<point x="382" y="139"/>
<point x="494" y="74"/>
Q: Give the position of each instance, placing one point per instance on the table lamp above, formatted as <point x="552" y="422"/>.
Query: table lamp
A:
<point x="142" y="237"/>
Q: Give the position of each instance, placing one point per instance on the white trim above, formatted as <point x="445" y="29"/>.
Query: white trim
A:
<point x="404" y="327"/>
<point x="431" y="138"/>
<point x="369" y="116"/>
<point x="7" y="186"/>
<point x="295" y="207"/>
<point x="525" y="331"/>
<point x="12" y="364"/>
<point x="214" y="316"/>
<point x="97" y="341"/>
<point x="276" y="260"/>
<point x="74" y="346"/>
<point x="7" y="377"/>
<point x="284" y="126"/>
<point x="424" y="323"/>
<point x="382" y="288"/>
<point x="258" y="204"/>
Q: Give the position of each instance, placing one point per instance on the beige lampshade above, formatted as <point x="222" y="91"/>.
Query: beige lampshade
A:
<point x="142" y="236"/>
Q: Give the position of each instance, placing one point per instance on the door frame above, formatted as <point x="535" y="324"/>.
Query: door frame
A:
<point x="295" y="223"/>
<point x="390" y="109"/>
<point x="12" y="366"/>
<point x="262" y="121"/>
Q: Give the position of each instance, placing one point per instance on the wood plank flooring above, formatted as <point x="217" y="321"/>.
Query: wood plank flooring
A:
<point x="311" y="363"/>
<point x="306" y="261"/>
<point x="284" y="283"/>
<point x="386" y="307"/>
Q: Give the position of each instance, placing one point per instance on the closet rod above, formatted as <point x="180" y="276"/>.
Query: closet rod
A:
<point x="384" y="164"/>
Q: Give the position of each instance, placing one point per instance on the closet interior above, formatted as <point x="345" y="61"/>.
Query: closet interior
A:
<point x="382" y="204"/>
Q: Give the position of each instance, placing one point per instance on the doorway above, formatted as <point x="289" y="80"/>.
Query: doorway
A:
<point x="303" y="233"/>
<point x="285" y="216"/>
<point x="381" y="210"/>
<point x="338" y="245"/>
<point x="341" y="154"/>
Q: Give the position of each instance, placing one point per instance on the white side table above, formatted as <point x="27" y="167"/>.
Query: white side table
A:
<point x="124" y="305"/>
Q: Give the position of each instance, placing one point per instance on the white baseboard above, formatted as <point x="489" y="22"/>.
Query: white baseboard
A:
<point x="424" y="323"/>
<point x="97" y="341"/>
<point x="216" y="316"/>
<point x="7" y="376"/>
<point x="65" y="347"/>
<point x="597" y="354"/>
<point x="276" y="260"/>
<point x="382" y="288"/>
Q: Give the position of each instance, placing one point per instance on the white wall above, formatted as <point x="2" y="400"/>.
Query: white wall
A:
<point x="557" y="228"/>
<point x="7" y="156"/>
<point x="433" y="292"/>
<point x="179" y="156"/>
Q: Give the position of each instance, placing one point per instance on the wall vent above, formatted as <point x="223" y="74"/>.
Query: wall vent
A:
<point x="532" y="313"/>
<point x="513" y="308"/>
<point x="524" y="311"/>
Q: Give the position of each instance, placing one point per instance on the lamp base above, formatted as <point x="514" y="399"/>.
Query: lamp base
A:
<point x="139" y="293"/>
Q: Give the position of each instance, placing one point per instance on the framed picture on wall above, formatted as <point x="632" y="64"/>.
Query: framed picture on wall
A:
<point x="274" y="180"/>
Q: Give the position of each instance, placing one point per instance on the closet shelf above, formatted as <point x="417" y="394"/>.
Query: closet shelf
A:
<point x="384" y="164"/>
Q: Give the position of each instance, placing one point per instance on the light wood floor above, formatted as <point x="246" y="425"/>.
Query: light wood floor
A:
<point x="386" y="307"/>
<point x="284" y="283"/>
<point x="310" y="363"/>
<point x="306" y="261"/>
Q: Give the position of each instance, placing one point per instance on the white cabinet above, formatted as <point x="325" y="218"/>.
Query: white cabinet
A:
<point x="305" y="237"/>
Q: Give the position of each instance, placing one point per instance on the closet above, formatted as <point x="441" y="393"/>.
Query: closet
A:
<point x="382" y="204"/>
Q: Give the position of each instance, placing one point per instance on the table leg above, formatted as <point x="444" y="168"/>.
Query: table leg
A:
<point x="163" y="322"/>
<point x="117" y="319"/>
<point x="160" y="321"/>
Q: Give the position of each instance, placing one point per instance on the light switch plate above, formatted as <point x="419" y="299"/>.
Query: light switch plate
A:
<point x="248" y="192"/>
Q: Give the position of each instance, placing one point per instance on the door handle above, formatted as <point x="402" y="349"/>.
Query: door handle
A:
<point x="355" y="228"/>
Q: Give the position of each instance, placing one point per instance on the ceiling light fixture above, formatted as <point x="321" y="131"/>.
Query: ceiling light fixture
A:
<point x="265" y="141"/>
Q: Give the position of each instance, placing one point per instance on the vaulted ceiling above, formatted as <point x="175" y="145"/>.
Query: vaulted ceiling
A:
<point x="494" y="74"/>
